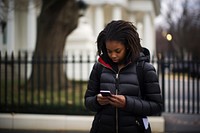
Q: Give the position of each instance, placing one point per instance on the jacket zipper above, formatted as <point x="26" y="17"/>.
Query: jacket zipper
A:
<point x="116" y="93"/>
<point x="116" y="109"/>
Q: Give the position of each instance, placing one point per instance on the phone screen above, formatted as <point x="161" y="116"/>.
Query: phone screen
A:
<point x="105" y="93"/>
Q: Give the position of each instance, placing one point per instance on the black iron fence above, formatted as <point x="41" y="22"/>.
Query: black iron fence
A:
<point x="56" y="85"/>
<point x="179" y="80"/>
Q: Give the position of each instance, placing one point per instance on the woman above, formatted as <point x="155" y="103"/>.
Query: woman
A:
<point x="119" y="51"/>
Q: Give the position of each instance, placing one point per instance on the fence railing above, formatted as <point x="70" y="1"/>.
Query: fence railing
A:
<point x="180" y="79"/>
<point x="56" y="85"/>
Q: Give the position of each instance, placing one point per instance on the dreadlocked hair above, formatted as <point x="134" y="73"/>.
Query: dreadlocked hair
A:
<point x="122" y="31"/>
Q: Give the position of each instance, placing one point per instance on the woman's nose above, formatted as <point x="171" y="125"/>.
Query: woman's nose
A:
<point x="113" y="55"/>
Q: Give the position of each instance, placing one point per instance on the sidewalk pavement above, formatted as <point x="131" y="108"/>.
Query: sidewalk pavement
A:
<point x="171" y="123"/>
<point x="38" y="131"/>
<point x="182" y="123"/>
<point x="60" y="123"/>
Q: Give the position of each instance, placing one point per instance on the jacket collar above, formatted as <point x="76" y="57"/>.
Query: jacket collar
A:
<point x="100" y="60"/>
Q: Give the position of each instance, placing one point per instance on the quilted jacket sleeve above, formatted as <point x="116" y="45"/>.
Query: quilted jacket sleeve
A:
<point x="93" y="89"/>
<point x="152" y="104"/>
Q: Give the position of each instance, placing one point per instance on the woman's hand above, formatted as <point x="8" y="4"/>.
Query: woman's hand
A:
<point x="118" y="101"/>
<point x="103" y="100"/>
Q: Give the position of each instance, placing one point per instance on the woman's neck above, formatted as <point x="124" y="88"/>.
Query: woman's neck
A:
<point x="120" y="66"/>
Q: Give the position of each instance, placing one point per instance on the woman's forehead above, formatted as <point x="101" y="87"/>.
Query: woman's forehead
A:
<point x="114" y="45"/>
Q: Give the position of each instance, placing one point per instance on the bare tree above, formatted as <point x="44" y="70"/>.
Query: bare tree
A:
<point x="184" y="25"/>
<point x="58" y="18"/>
<point x="188" y="29"/>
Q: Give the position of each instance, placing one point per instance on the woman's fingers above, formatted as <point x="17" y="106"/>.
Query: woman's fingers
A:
<point x="102" y="100"/>
<point x="118" y="101"/>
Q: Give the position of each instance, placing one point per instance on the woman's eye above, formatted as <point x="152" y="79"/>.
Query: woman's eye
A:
<point x="118" y="51"/>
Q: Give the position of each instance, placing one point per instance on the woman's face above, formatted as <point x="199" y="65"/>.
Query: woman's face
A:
<point x="116" y="51"/>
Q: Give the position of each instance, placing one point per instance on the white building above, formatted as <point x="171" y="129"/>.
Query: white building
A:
<point x="18" y="30"/>
<point x="19" y="33"/>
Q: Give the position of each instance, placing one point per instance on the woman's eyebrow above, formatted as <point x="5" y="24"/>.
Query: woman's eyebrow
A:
<point x="114" y="49"/>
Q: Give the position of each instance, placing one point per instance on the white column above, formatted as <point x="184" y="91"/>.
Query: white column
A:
<point x="132" y="18"/>
<point x="1" y="38"/>
<point x="153" y="38"/>
<point x="140" y="27"/>
<point x="31" y="26"/>
<point x="116" y="13"/>
<point x="99" y="19"/>
<point x="11" y="27"/>
<point x="148" y="33"/>
<point x="1" y="30"/>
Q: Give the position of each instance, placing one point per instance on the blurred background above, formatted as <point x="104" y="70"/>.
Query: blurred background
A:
<point x="48" y="48"/>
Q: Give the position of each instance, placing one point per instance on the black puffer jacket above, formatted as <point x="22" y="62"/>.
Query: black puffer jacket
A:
<point x="107" y="117"/>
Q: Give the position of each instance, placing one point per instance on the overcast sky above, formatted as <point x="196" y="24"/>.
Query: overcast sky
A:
<point x="193" y="6"/>
<point x="160" y="20"/>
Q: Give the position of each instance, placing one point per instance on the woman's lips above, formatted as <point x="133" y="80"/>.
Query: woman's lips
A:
<point x="115" y="60"/>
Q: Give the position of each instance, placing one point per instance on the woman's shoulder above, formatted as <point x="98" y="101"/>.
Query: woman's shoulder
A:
<point x="97" y="67"/>
<point x="148" y="66"/>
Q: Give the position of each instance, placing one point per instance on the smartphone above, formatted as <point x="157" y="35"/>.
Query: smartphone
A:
<point x="105" y="93"/>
